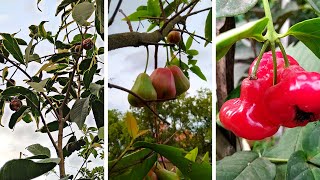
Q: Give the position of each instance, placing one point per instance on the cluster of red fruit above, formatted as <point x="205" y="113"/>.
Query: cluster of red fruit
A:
<point x="164" y="83"/>
<point x="263" y="107"/>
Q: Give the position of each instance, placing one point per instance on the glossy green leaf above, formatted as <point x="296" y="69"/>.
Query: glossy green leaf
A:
<point x="80" y="111"/>
<point x="208" y="27"/>
<point x="17" y="116"/>
<point x="27" y="168"/>
<point x="190" y="169"/>
<point x="135" y="165"/>
<point x="82" y="12"/>
<point x="299" y="168"/>
<point x="192" y="155"/>
<point x="11" y="45"/>
<point x="227" y="8"/>
<point x="101" y="133"/>
<point x="189" y="41"/>
<point x="132" y="125"/>
<point x="250" y="30"/>
<point x="245" y="165"/>
<point x="192" y="52"/>
<point x="59" y="57"/>
<point x="206" y="158"/>
<point x="196" y="70"/>
<point x="52" y="126"/>
<point x="37" y="149"/>
<point x="88" y="76"/>
<point x="63" y="4"/>
<point x="27" y="118"/>
<point x="307" y="32"/>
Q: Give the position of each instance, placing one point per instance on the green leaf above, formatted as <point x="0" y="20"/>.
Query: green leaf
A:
<point x="189" y="41"/>
<point x="27" y="168"/>
<point x="97" y="109"/>
<point x="152" y="25"/>
<point x="21" y="41"/>
<point x="52" y="126"/>
<point x="168" y="10"/>
<point x="12" y="46"/>
<point x="41" y="30"/>
<point x="138" y="15"/>
<point x="299" y="168"/>
<point x="208" y="28"/>
<point x="37" y="149"/>
<point x="27" y="118"/>
<point x="154" y="8"/>
<point x="250" y="30"/>
<point x="4" y="73"/>
<point x="234" y="93"/>
<point x="82" y="12"/>
<point x="206" y="158"/>
<point x="226" y="8"/>
<point x="136" y="165"/>
<point x="315" y="5"/>
<point x="39" y="86"/>
<point x="132" y="125"/>
<point x="55" y="68"/>
<point x="190" y="169"/>
<point x="28" y="50"/>
<point x="196" y="70"/>
<point x="101" y="133"/>
<point x="95" y="89"/>
<point x="80" y="111"/>
<point x="88" y="76"/>
<point x="192" y="52"/>
<point x="305" y="57"/>
<point x="99" y="18"/>
<point x="59" y="56"/>
<point x="245" y="165"/>
<point x="192" y="155"/>
<point x="17" y="116"/>
<point x="307" y="32"/>
<point x="64" y="4"/>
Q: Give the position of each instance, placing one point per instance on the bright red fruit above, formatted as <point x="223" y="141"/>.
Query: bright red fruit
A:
<point x="163" y="81"/>
<point x="246" y="116"/>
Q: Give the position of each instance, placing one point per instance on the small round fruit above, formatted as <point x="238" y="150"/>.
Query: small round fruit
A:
<point x="174" y="37"/>
<point x="87" y="44"/>
<point x="15" y="104"/>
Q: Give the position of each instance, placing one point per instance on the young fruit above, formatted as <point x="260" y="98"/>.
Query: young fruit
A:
<point x="164" y="174"/>
<point x="15" y="104"/>
<point x="181" y="81"/>
<point x="163" y="81"/>
<point x="143" y="88"/>
<point x="174" y="37"/>
<point x="87" y="44"/>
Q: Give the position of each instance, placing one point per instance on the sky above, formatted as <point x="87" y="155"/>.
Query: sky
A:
<point x="125" y="64"/>
<point x="17" y="16"/>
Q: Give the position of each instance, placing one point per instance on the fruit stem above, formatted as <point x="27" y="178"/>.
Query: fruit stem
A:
<point x="277" y="160"/>
<point x="263" y="49"/>
<point x="145" y="69"/>
<point x="274" y="60"/>
<point x="284" y="54"/>
<point x="271" y="35"/>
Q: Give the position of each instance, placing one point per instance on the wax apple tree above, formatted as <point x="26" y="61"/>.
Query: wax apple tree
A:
<point x="56" y="91"/>
<point x="278" y="94"/>
<point x="168" y="23"/>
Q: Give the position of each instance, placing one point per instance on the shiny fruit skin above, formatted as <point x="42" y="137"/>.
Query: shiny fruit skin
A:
<point x="142" y="87"/>
<point x="174" y="37"/>
<point x="163" y="82"/>
<point x="182" y="83"/>
<point x="15" y="104"/>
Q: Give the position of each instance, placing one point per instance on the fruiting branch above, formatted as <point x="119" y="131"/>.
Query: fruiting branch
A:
<point x="142" y="100"/>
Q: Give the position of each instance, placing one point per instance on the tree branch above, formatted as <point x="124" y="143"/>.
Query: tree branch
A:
<point x="142" y="100"/>
<point x="110" y="21"/>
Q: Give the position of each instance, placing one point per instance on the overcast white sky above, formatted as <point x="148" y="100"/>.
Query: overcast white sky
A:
<point x="125" y="64"/>
<point x="18" y="15"/>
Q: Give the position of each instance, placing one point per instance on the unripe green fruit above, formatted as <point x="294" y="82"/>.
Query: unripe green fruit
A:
<point x="143" y="88"/>
<point x="87" y="44"/>
<point x="15" y="104"/>
<point x="174" y="37"/>
<point x="163" y="81"/>
<point x="164" y="174"/>
<point x="181" y="81"/>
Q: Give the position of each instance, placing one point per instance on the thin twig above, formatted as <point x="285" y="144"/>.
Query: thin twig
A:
<point x="142" y="100"/>
<point x="110" y="21"/>
<point x="127" y="19"/>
